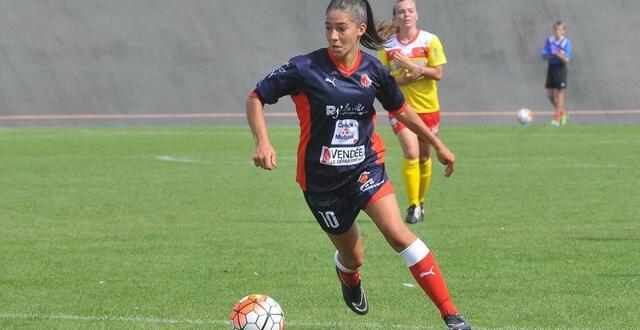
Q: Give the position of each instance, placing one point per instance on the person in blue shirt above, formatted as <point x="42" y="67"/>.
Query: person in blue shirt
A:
<point x="340" y="165"/>
<point x="557" y="51"/>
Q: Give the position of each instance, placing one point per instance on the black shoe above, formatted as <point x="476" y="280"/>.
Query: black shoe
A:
<point x="413" y="214"/>
<point x="421" y="217"/>
<point x="456" y="322"/>
<point x="355" y="298"/>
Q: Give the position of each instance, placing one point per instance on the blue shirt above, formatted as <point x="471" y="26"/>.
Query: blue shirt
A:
<point x="335" y="109"/>
<point x="553" y="46"/>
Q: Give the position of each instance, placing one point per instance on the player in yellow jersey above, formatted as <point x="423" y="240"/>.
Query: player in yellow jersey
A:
<point x="415" y="58"/>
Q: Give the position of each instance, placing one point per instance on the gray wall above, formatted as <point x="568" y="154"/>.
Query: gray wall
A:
<point x="179" y="56"/>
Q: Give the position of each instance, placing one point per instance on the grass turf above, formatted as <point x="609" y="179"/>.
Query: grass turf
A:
<point x="166" y="228"/>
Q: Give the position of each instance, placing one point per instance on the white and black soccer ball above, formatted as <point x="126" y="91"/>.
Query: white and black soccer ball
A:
<point x="524" y="116"/>
<point x="257" y="312"/>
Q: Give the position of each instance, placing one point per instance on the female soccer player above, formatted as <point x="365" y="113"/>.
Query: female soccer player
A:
<point x="557" y="50"/>
<point x="415" y="58"/>
<point x="340" y="157"/>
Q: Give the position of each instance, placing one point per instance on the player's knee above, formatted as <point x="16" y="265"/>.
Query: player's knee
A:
<point x="411" y="153"/>
<point x="400" y="239"/>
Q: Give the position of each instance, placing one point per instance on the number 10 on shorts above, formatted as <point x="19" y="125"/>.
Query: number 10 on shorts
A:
<point x="330" y="219"/>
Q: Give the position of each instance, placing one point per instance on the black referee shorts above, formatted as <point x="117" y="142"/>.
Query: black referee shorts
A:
<point x="556" y="76"/>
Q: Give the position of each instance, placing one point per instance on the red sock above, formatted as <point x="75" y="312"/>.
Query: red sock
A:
<point x="350" y="279"/>
<point x="428" y="276"/>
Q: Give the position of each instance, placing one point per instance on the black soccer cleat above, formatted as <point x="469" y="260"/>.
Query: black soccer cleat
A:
<point x="414" y="214"/>
<point x="355" y="298"/>
<point x="456" y="322"/>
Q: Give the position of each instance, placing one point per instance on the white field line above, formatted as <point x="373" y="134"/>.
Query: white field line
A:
<point x="231" y="115"/>
<point x="155" y="320"/>
<point x="179" y="159"/>
<point x="138" y="319"/>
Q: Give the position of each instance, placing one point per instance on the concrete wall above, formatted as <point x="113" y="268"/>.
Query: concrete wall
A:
<point x="186" y="56"/>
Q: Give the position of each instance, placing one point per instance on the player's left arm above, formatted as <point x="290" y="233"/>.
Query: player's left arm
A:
<point x="565" y="54"/>
<point x="410" y="118"/>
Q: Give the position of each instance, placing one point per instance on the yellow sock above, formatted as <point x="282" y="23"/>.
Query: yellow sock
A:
<point x="425" y="179"/>
<point x="411" y="175"/>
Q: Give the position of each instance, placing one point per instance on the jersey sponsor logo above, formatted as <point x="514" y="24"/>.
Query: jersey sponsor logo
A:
<point x="280" y="70"/>
<point x="345" y="110"/>
<point x="346" y="132"/>
<point x="366" y="182"/>
<point x="365" y="81"/>
<point x="342" y="156"/>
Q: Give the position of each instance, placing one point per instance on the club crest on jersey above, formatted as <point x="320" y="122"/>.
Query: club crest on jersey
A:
<point x="365" y="81"/>
<point x="346" y="132"/>
<point x="366" y="182"/>
<point x="364" y="177"/>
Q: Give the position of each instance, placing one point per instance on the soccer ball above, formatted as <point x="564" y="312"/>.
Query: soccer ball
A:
<point x="257" y="312"/>
<point x="524" y="116"/>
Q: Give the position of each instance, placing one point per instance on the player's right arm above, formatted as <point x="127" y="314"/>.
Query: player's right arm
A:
<point x="546" y="50"/>
<point x="264" y="155"/>
<point x="282" y="81"/>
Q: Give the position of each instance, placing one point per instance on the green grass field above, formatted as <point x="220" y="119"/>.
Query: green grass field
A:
<point x="143" y="228"/>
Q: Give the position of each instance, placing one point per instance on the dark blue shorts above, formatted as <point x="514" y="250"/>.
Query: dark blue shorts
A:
<point x="336" y="210"/>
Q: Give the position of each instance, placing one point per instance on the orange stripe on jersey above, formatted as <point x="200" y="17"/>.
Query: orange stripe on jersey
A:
<point x="303" y="109"/>
<point x="253" y="95"/>
<point x="418" y="52"/>
<point x="376" y="142"/>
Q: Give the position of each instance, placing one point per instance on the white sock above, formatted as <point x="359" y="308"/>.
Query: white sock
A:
<point x="340" y="265"/>
<point x="415" y="252"/>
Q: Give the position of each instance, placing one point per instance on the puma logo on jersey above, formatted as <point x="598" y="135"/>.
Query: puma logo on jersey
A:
<point x="331" y="81"/>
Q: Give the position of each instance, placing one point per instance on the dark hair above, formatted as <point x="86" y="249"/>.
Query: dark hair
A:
<point x="361" y="12"/>
<point x="559" y="23"/>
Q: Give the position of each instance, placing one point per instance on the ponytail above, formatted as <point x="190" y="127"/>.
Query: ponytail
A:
<point x="371" y="39"/>
<point x="361" y="12"/>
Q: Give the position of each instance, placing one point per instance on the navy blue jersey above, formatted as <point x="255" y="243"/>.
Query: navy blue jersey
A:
<point x="334" y="105"/>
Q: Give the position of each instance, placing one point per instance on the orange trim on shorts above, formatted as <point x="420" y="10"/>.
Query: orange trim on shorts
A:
<point x="386" y="189"/>
<point x="431" y="119"/>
